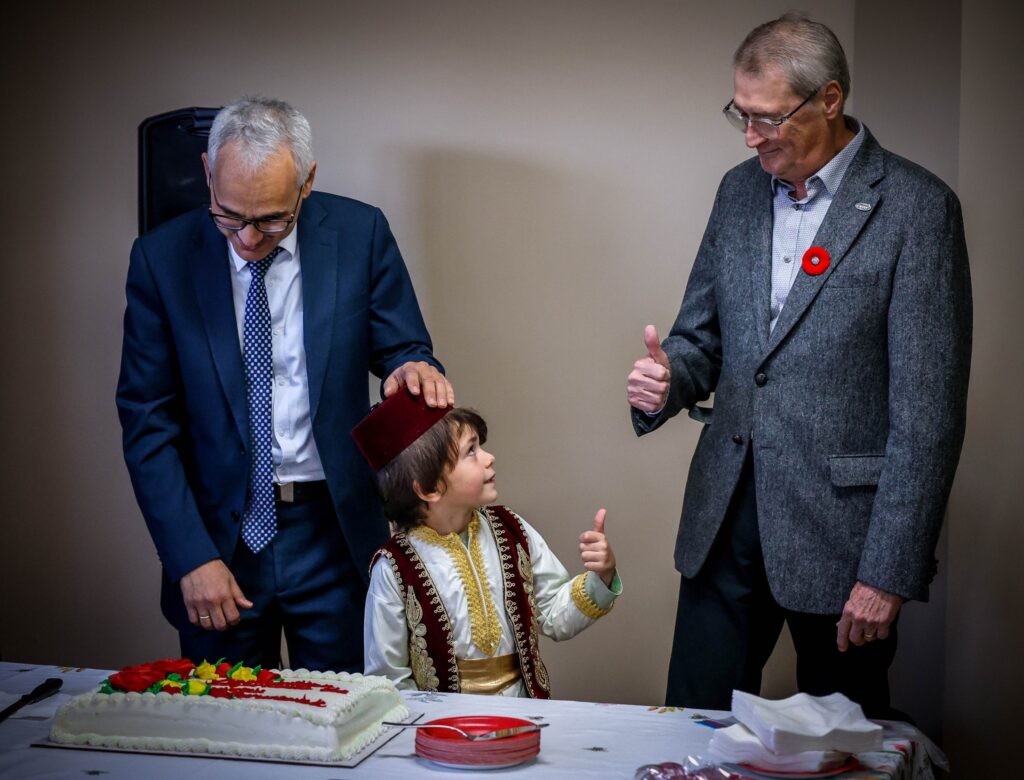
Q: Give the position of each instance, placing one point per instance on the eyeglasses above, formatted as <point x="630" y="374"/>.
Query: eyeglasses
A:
<point x="762" y="125"/>
<point x="265" y="226"/>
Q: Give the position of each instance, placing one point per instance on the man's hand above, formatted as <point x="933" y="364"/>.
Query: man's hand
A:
<point x="421" y="377"/>
<point x="649" y="381"/>
<point x="867" y="616"/>
<point x="212" y="596"/>
<point x="595" y="551"/>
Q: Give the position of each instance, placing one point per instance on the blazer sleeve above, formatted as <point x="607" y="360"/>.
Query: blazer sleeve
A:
<point x="151" y="411"/>
<point x="929" y="334"/>
<point x="397" y="331"/>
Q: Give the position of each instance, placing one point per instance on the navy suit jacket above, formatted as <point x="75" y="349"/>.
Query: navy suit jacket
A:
<point x="854" y="405"/>
<point x="181" y="393"/>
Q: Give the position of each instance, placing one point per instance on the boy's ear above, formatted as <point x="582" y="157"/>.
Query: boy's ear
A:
<point x="431" y="498"/>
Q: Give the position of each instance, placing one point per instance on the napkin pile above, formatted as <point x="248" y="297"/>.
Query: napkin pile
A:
<point x="800" y="734"/>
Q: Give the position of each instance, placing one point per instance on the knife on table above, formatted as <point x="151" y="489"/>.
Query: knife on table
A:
<point x="40" y="692"/>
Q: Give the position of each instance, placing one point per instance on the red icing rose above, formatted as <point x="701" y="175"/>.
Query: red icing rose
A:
<point x="135" y="679"/>
<point x="180" y="666"/>
<point x="816" y="260"/>
<point x="223" y="668"/>
<point x="265" y="676"/>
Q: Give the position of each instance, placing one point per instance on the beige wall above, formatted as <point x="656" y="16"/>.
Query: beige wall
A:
<point x="547" y="169"/>
<point x="984" y="634"/>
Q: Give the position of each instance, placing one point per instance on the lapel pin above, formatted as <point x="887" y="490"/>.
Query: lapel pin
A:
<point x="862" y="206"/>
<point x="816" y="260"/>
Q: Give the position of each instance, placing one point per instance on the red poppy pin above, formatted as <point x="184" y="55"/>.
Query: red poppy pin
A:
<point x="816" y="260"/>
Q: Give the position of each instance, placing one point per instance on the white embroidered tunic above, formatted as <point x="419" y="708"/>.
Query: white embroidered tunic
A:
<point x="560" y="613"/>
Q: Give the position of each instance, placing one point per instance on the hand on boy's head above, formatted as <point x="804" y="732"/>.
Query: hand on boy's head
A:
<point x="422" y="378"/>
<point x="596" y="553"/>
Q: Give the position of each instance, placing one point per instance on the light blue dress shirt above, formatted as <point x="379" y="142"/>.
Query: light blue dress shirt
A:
<point x="796" y="222"/>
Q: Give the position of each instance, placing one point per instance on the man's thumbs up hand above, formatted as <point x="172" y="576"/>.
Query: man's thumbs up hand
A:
<point x="648" y="383"/>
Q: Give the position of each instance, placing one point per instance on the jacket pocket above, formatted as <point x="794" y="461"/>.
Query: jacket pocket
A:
<point x="855" y="470"/>
<point x="852" y="279"/>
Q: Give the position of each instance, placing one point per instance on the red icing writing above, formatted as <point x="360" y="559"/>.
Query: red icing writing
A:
<point x="259" y="693"/>
<point x="251" y="689"/>
<point x="291" y="685"/>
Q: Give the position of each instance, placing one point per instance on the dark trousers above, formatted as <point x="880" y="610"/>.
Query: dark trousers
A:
<point x="728" y="622"/>
<point x="303" y="582"/>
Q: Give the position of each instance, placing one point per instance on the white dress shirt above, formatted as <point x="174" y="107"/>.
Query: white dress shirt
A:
<point x="295" y="455"/>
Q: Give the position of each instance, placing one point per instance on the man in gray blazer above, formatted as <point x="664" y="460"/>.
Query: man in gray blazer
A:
<point x="829" y="311"/>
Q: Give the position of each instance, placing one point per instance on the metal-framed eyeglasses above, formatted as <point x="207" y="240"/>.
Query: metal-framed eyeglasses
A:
<point x="266" y="226"/>
<point x="762" y="125"/>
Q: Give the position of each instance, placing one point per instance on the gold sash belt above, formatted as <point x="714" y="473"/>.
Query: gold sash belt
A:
<point x="489" y="675"/>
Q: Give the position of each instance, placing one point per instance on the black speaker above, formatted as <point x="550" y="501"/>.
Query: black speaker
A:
<point x="171" y="177"/>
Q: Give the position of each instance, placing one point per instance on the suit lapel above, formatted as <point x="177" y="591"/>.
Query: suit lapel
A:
<point x="318" y="254"/>
<point x="212" y="280"/>
<point x="844" y="221"/>
<point x="760" y="247"/>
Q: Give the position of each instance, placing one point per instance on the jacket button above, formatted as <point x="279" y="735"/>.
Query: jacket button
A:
<point x="737" y="438"/>
<point x="761" y="379"/>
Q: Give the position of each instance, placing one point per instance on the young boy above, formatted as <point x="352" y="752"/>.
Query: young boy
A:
<point x="459" y="595"/>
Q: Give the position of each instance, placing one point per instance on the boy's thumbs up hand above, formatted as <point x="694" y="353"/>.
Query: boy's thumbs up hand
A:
<point x="648" y="383"/>
<point x="599" y="520"/>
<point x="596" y="553"/>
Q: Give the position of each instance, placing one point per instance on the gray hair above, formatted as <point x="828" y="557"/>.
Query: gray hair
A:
<point x="808" y="53"/>
<point x="260" y="126"/>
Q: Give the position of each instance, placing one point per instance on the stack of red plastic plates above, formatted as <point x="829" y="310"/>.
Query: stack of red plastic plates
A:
<point x="449" y="748"/>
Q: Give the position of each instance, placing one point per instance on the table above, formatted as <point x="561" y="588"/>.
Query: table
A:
<point x="584" y="740"/>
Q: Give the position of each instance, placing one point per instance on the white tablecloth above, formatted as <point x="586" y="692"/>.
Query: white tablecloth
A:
<point x="584" y="740"/>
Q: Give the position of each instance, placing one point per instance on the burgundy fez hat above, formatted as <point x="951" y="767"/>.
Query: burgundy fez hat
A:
<point x="394" y="424"/>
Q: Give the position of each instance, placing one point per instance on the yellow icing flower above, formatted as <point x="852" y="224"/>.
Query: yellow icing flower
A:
<point x="170" y="684"/>
<point x="196" y="688"/>
<point x="206" y="671"/>
<point x="243" y="673"/>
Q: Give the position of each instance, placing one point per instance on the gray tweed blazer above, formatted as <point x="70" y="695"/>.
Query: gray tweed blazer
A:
<point x="854" y="405"/>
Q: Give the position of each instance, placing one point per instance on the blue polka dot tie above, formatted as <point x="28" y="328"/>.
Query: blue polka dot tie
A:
<point x="259" y="522"/>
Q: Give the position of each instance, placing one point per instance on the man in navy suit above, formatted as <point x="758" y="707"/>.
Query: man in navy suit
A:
<point x="261" y="508"/>
<point x="829" y="311"/>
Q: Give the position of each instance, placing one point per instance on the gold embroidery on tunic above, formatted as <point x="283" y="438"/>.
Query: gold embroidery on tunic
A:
<point x="423" y="670"/>
<point x="582" y="599"/>
<point x="485" y="626"/>
<point x="526" y="570"/>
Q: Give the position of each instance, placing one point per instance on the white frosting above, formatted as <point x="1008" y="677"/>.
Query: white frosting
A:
<point x="242" y="727"/>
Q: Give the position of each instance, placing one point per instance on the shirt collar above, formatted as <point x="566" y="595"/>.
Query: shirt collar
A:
<point x="831" y="173"/>
<point x="289" y="244"/>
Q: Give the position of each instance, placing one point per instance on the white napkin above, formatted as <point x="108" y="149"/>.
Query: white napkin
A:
<point x="739" y="745"/>
<point x="802" y="722"/>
